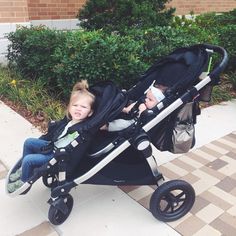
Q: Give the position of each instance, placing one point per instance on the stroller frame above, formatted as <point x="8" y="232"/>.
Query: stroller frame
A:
<point x="61" y="202"/>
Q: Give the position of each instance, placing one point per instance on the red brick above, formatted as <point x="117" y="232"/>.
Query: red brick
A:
<point x="59" y="9"/>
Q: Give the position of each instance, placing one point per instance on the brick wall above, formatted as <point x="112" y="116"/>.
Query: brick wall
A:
<point x="28" y="10"/>
<point x="184" y="7"/>
<point x="13" y="11"/>
<point x="54" y="9"/>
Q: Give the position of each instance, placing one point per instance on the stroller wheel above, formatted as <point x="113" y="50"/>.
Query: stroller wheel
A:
<point x="60" y="211"/>
<point x="50" y="180"/>
<point x="172" y="200"/>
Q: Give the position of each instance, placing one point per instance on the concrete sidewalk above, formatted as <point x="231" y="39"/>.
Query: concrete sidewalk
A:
<point x="108" y="210"/>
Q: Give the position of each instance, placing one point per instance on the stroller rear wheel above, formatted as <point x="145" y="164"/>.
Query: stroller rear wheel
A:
<point x="172" y="200"/>
<point x="60" y="210"/>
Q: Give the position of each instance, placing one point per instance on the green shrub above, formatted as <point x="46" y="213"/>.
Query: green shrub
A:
<point x="223" y="26"/>
<point x="212" y="20"/>
<point x="31" y="50"/>
<point x="160" y="41"/>
<point x="96" y="57"/>
<point x="220" y="94"/>
<point x="227" y="39"/>
<point x="116" y="15"/>
<point x="59" y="58"/>
<point x="216" y="29"/>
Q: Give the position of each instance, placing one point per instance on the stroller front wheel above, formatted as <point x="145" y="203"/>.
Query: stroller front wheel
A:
<point x="60" y="210"/>
<point x="172" y="200"/>
<point x="50" y="180"/>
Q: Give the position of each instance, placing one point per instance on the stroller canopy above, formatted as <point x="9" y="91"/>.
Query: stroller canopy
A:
<point x="178" y="71"/>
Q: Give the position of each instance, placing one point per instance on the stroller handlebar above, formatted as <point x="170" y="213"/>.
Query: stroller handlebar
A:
<point x="222" y="64"/>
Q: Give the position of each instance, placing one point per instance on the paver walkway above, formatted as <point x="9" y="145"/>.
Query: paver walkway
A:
<point x="211" y="170"/>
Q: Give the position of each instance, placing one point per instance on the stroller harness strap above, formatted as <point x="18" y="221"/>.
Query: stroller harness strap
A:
<point x="67" y="139"/>
<point x="74" y="143"/>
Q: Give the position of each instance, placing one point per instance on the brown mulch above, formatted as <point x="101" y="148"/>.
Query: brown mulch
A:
<point x="37" y="120"/>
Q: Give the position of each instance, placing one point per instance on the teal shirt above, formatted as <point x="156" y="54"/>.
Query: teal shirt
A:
<point x="63" y="141"/>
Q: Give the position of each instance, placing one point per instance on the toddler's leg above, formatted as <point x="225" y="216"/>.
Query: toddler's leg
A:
<point x="32" y="161"/>
<point x="33" y="145"/>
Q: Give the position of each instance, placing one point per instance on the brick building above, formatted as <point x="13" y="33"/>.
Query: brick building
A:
<point x="12" y="11"/>
<point x="61" y="14"/>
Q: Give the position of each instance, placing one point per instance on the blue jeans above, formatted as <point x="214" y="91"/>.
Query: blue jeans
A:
<point x="32" y="157"/>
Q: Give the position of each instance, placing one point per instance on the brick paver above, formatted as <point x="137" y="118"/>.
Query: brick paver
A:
<point x="211" y="170"/>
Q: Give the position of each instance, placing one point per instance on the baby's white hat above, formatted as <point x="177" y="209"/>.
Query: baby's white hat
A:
<point x="157" y="93"/>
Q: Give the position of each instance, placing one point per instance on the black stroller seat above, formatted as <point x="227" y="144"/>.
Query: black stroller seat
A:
<point x="109" y="102"/>
<point x="187" y="65"/>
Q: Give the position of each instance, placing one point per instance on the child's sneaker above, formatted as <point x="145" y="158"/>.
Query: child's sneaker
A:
<point x="11" y="187"/>
<point x="15" y="176"/>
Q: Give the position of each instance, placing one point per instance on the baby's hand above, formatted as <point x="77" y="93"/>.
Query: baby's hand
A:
<point x="104" y="127"/>
<point x="142" y="108"/>
<point x="125" y="110"/>
<point x="128" y="108"/>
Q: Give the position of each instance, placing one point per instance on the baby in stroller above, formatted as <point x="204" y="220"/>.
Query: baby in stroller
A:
<point x="153" y="96"/>
<point x="38" y="151"/>
<point x="126" y="157"/>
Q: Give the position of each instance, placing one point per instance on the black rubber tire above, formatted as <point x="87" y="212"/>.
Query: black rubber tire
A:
<point x="50" y="180"/>
<point x="172" y="200"/>
<point x="57" y="217"/>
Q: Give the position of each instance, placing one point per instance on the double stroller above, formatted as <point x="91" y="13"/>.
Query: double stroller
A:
<point x="126" y="157"/>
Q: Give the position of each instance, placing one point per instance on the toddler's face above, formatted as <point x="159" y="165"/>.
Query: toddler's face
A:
<point x="80" y="108"/>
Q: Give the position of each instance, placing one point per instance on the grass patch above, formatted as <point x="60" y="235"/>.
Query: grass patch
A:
<point x="224" y="91"/>
<point x="29" y="98"/>
<point x="232" y="78"/>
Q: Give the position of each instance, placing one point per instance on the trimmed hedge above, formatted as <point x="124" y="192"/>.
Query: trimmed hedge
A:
<point x="220" y="29"/>
<point x="60" y="58"/>
<point x="31" y="52"/>
<point x="96" y="57"/>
